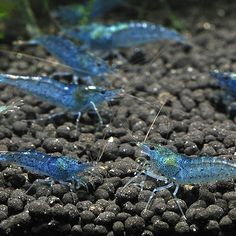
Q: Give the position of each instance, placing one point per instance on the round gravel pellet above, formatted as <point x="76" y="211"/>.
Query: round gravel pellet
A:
<point x="182" y="228"/>
<point x="52" y="145"/>
<point x="160" y="227"/>
<point x="118" y="227"/>
<point x="87" y="216"/>
<point x="214" y="212"/>
<point x="39" y="209"/>
<point x="170" y="217"/>
<point x="105" y="218"/>
<point x="15" y="205"/>
<point x="134" y="225"/>
<point x="20" y="127"/>
<point x="232" y="214"/>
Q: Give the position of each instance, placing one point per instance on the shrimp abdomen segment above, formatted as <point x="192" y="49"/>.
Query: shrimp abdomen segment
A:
<point x="203" y="170"/>
<point x="144" y="32"/>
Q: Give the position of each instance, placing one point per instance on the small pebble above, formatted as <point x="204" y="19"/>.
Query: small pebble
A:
<point x="214" y="212"/>
<point x="122" y="216"/>
<point x="20" y="127"/>
<point x="182" y="228"/>
<point x="118" y="227"/>
<point x="206" y="195"/>
<point x="58" y="212"/>
<point x="100" y="230"/>
<point x="134" y="225"/>
<point x="87" y="217"/>
<point x="15" y="205"/>
<point x="213" y="227"/>
<point x="226" y="223"/>
<point x="52" y="145"/>
<point x="70" y="197"/>
<point x="170" y="217"/>
<point x="105" y="218"/>
<point x="39" y="209"/>
<point x="160" y="227"/>
<point x="89" y="229"/>
<point x="113" y="208"/>
<point x="232" y="214"/>
<point x="3" y="197"/>
<point x="72" y="212"/>
<point x="76" y="230"/>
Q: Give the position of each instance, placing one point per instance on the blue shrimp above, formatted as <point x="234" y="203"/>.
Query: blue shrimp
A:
<point x="81" y="62"/>
<point x="177" y="169"/>
<point x="121" y="35"/>
<point x="226" y="80"/>
<point x="62" y="169"/>
<point x="76" y="13"/>
<point x="183" y="169"/>
<point x="76" y="99"/>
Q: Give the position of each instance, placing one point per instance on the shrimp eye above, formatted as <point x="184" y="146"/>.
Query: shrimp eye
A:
<point x="152" y="148"/>
<point x="99" y="64"/>
<point x="103" y="92"/>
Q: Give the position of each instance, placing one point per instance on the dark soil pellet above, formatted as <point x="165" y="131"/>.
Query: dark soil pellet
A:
<point x="160" y="227"/>
<point x="122" y="216"/>
<point x="76" y="230"/>
<point x="225" y="223"/>
<point x="105" y="218"/>
<point x="52" y="145"/>
<point x="71" y="211"/>
<point x="3" y="197"/>
<point x="170" y="217"/>
<point x="215" y="212"/>
<point x="134" y="225"/>
<point x="20" y="220"/>
<point x="87" y="216"/>
<point x="100" y="230"/>
<point x="182" y="228"/>
<point x="89" y="229"/>
<point x="232" y="214"/>
<point x="15" y="205"/>
<point x="58" y="212"/>
<point x="70" y="198"/>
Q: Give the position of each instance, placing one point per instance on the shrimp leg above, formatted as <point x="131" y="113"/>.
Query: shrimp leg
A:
<point x="133" y="179"/>
<point x="77" y="122"/>
<point x="97" y="112"/>
<point x="155" y="190"/>
<point x="157" y="177"/>
<point x="52" y="116"/>
<point x="46" y="181"/>
<point x="176" y="200"/>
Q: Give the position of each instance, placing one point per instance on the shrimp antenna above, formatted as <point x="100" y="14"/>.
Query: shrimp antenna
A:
<point x="152" y="57"/>
<point x="103" y="149"/>
<point x="142" y="100"/>
<point x="159" y="53"/>
<point x="42" y="59"/>
<point x="162" y="49"/>
<point x="151" y="105"/>
<point x="33" y="57"/>
<point x="151" y="126"/>
<point x="139" y="99"/>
